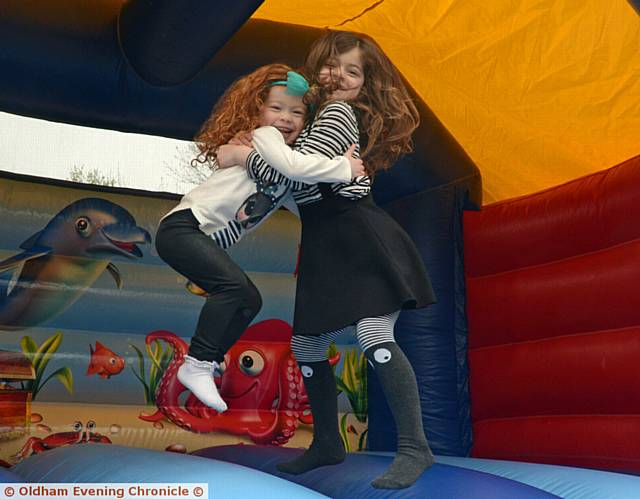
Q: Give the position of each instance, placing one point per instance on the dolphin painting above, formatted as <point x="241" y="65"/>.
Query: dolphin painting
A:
<point x="60" y="262"/>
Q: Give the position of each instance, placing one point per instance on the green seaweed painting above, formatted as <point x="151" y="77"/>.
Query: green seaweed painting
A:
<point x="353" y="383"/>
<point x="39" y="356"/>
<point x="160" y="358"/>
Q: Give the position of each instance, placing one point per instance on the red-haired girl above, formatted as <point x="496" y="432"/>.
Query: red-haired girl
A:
<point x="192" y="238"/>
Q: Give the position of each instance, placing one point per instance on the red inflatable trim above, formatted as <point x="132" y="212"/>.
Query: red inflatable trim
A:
<point x="585" y="293"/>
<point x="593" y="373"/>
<point x="554" y="323"/>
<point x="584" y="215"/>
<point x="603" y="442"/>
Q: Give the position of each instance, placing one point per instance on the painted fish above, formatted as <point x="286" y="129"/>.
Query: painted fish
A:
<point x="104" y="362"/>
<point x="60" y="262"/>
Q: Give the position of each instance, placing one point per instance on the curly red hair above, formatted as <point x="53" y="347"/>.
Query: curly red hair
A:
<point x="386" y="113"/>
<point x="237" y="110"/>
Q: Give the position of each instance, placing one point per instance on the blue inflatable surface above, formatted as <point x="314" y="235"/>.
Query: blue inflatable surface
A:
<point x="8" y="476"/>
<point x="564" y="481"/>
<point x="352" y="478"/>
<point x="97" y="463"/>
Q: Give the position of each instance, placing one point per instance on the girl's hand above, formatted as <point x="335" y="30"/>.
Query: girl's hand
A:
<point x="242" y="138"/>
<point x="229" y="155"/>
<point x="357" y="166"/>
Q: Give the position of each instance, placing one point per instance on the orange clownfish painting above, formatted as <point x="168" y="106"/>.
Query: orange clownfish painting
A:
<point x="104" y="362"/>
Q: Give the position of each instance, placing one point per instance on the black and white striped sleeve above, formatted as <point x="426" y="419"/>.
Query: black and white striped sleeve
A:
<point x="333" y="131"/>
<point x="258" y="169"/>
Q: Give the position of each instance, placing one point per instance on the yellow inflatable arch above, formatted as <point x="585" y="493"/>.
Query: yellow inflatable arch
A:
<point x="536" y="92"/>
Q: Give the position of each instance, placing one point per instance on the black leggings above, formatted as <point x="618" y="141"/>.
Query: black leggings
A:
<point x="233" y="299"/>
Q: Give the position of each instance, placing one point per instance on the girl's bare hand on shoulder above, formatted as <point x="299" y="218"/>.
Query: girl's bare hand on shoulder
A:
<point x="242" y="138"/>
<point x="229" y="155"/>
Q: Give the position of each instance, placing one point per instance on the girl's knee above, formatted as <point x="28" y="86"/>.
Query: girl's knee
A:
<point x="160" y="242"/>
<point x="164" y="244"/>
<point x="251" y="299"/>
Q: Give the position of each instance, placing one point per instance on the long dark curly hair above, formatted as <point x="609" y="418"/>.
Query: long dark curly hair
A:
<point x="386" y="113"/>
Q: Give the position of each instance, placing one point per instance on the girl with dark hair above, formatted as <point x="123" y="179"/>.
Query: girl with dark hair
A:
<point x="357" y="265"/>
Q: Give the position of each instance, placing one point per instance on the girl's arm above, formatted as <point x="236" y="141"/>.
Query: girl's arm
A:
<point x="309" y="168"/>
<point x="333" y="132"/>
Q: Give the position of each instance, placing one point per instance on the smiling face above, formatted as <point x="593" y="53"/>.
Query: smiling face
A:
<point x="345" y="70"/>
<point x="285" y="112"/>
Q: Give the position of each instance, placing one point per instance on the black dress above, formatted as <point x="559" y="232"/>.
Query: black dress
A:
<point x="355" y="262"/>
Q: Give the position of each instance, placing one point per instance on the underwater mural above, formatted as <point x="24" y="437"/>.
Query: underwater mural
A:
<point x="81" y="434"/>
<point x="260" y="381"/>
<point x="85" y="361"/>
<point x="104" y="362"/>
<point x="61" y="261"/>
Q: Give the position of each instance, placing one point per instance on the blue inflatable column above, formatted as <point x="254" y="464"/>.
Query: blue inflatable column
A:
<point x="435" y="338"/>
<point x="168" y="42"/>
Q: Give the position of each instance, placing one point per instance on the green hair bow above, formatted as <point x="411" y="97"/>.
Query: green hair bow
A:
<point x="296" y="84"/>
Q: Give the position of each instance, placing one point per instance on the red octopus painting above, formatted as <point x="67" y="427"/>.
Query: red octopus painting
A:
<point x="261" y="384"/>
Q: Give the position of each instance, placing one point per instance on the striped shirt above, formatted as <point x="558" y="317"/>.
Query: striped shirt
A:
<point x="332" y="132"/>
<point x="229" y="235"/>
<point x="229" y="204"/>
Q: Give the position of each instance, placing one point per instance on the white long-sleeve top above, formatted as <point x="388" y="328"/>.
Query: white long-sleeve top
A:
<point x="219" y="202"/>
<point x="334" y="129"/>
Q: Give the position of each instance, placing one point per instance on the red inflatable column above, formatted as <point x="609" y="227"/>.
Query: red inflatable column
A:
<point x="554" y="323"/>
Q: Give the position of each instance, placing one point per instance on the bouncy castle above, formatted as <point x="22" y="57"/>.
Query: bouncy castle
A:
<point x="522" y="195"/>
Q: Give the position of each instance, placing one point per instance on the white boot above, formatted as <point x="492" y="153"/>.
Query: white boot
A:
<point x="197" y="376"/>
